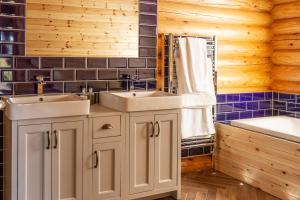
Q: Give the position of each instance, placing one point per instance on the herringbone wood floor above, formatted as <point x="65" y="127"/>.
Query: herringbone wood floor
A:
<point x="209" y="186"/>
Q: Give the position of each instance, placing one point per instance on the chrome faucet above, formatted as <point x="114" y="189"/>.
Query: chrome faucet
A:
<point x="40" y="84"/>
<point x="132" y="79"/>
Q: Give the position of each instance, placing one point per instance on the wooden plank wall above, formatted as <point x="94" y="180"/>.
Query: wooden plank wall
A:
<point x="243" y="30"/>
<point x="286" y="44"/>
<point x="107" y="28"/>
<point x="263" y="161"/>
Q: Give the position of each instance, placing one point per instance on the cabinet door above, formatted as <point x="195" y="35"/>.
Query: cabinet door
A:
<point x="34" y="162"/>
<point x="141" y="150"/>
<point x="107" y="171"/>
<point x="166" y="150"/>
<point x="67" y="150"/>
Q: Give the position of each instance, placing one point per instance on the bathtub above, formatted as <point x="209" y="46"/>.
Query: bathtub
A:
<point x="278" y="126"/>
<point x="263" y="152"/>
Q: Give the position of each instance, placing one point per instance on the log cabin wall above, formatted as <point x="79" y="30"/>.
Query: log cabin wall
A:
<point x="286" y="44"/>
<point x="243" y="30"/>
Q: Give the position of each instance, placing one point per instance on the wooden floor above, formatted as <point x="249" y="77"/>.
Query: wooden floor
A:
<point x="217" y="186"/>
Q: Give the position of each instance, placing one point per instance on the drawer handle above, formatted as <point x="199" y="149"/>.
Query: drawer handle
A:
<point x="107" y="126"/>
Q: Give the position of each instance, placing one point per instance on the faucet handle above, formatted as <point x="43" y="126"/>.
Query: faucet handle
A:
<point x="40" y="78"/>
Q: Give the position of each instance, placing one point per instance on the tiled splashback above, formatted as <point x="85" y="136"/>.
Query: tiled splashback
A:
<point x="244" y="105"/>
<point x="286" y="104"/>
<point x="71" y="74"/>
<point x="261" y="104"/>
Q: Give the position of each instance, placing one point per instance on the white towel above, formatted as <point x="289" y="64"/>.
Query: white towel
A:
<point x="195" y="85"/>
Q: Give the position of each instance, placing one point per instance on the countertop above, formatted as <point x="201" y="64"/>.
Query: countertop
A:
<point x="99" y="110"/>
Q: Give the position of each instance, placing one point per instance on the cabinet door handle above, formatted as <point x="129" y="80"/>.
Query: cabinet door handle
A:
<point x="48" y="140"/>
<point x="158" y="128"/>
<point x="55" y="138"/>
<point x="152" y="129"/>
<point x="97" y="160"/>
<point x="107" y="126"/>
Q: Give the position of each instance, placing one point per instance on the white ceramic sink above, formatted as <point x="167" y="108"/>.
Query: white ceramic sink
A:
<point x="33" y="107"/>
<point x="140" y="101"/>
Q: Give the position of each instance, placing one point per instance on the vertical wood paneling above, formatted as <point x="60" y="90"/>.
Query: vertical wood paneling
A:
<point x="286" y="45"/>
<point x="243" y="30"/>
<point x="82" y="28"/>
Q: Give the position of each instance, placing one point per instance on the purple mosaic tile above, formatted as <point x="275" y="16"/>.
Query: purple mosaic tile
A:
<point x="259" y="113"/>
<point x="147" y="41"/>
<point x="252" y="105"/>
<point x="245" y="115"/>
<point x="54" y="62"/>
<point x="53" y="87"/>
<point x="27" y="63"/>
<point x="117" y="63"/>
<point x="146" y="73"/>
<point x="246" y="97"/>
<point x="232" y="116"/>
<point x="86" y="74"/>
<point x="24" y="88"/>
<point x="63" y="75"/>
<point x="258" y="96"/>
<point x="148" y="8"/>
<point x="239" y="106"/>
<point x="147" y="30"/>
<point x="107" y="74"/>
<point x="221" y="98"/>
<point x="232" y="97"/>
<point x="75" y="62"/>
<point x="279" y="105"/>
<point x="269" y="95"/>
<point x="265" y="105"/>
<point x="148" y="19"/>
<point x="74" y="87"/>
<point x="221" y="117"/>
<point x="147" y="52"/>
<point x="96" y="62"/>
<point x="137" y="62"/>
<point x="227" y="107"/>
<point x="151" y="63"/>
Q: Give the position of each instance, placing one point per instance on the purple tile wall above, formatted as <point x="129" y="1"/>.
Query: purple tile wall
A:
<point x="286" y="104"/>
<point x="243" y="105"/>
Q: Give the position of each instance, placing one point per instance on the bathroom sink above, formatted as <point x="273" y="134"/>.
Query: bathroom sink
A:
<point x="140" y="101"/>
<point x="33" y="107"/>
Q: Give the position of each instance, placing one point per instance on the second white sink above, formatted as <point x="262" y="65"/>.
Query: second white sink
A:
<point x="140" y="101"/>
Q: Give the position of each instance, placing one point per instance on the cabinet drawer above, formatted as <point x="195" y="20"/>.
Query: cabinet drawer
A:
<point x="106" y="126"/>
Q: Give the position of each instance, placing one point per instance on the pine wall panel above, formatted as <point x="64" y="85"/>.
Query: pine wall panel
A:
<point x="244" y="35"/>
<point x="82" y="28"/>
<point x="286" y="44"/>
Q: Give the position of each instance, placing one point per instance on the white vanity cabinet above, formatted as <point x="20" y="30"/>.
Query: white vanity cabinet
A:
<point x="153" y="153"/>
<point x="46" y="158"/>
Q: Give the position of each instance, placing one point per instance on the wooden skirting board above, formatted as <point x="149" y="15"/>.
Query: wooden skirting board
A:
<point x="266" y="162"/>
